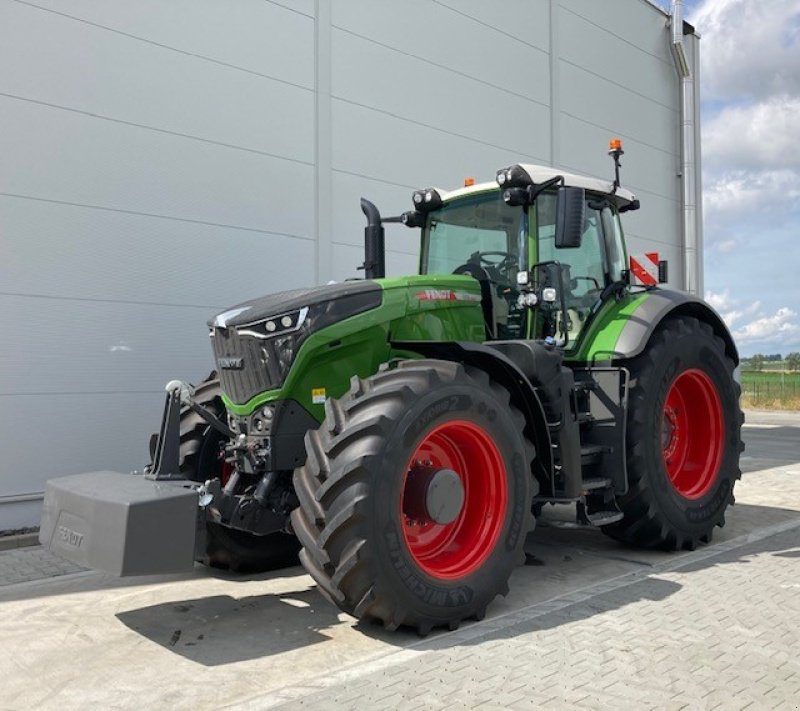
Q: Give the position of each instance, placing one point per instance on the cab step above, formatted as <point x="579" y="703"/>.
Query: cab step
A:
<point x="596" y="483"/>
<point x="592" y="453"/>
<point x="603" y="518"/>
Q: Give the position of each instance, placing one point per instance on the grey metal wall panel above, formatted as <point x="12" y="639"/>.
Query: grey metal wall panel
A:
<point x="80" y="430"/>
<point x="260" y="36"/>
<point x="58" y="155"/>
<point x="450" y="45"/>
<point x="377" y="145"/>
<point x="60" y="345"/>
<point x="83" y="253"/>
<point x="613" y="107"/>
<point x="611" y="39"/>
<point x="439" y="98"/>
<point x="629" y="22"/>
<point x="154" y="89"/>
<point x="523" y="20"/>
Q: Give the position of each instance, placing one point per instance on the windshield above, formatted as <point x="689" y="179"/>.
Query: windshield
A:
<point x="478" y="236"/>
<point x="477" y="230"/>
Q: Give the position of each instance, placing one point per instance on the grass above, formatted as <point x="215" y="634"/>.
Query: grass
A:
<point x="771" y="389"/>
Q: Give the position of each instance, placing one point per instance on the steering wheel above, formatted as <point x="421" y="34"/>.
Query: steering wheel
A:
<point x="506" y="257"/>
<point x="476" y="271"/>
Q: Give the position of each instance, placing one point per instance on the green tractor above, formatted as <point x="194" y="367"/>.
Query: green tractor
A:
<point x="403" y="434"/>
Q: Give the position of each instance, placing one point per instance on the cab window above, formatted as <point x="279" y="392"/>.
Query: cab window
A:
<point x="583" y="269"/>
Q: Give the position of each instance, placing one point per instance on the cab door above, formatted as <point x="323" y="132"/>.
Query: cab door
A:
<point x="584" y="271"/>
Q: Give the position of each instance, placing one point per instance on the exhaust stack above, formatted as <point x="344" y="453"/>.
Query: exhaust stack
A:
<point x="374" y="242"/>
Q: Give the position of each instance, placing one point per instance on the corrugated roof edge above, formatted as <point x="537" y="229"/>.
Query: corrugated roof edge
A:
<point x="687" y="28"/>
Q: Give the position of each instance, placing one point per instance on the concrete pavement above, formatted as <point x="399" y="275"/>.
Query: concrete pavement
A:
<point x="597" y="625"/>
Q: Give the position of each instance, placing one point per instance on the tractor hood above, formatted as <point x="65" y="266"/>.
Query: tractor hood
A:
<point x="336" y="301"/>
<point x="255" y="342"/>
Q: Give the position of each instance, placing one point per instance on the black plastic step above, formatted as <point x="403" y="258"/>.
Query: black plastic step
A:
<point x="603" y="518"/>
<point x="592" y="453"/>
<point x="595" y="483"/>
<point x="582" y="417"/>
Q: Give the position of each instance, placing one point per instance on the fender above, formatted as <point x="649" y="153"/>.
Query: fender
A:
<point x="507" y="373"/>
<point x="660" y="304"/>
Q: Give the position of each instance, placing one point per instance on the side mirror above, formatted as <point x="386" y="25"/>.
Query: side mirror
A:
<point x="570" y="214"/>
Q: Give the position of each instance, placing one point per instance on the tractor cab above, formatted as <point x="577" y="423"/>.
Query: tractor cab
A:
<point x="537" y="280"/>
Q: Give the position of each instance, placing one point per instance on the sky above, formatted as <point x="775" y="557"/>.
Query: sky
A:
<point x="750" y="88"/>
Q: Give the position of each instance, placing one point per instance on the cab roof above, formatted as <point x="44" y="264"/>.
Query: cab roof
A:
<point x="541" y="173"/>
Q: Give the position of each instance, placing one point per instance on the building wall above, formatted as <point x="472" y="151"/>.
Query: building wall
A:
<point x="160" y="161"/>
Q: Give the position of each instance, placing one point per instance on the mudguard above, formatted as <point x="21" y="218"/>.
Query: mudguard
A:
<point x="507" y="373"/>
<point x="123" y="524"/>
<point x="659" y="304"/>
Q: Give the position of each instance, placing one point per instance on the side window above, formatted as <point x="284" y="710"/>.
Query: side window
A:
<point x="584" y="269"/>
<point x="615" y="244"/>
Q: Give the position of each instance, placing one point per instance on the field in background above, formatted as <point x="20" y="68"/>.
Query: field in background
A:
<point x="771" y="388"/>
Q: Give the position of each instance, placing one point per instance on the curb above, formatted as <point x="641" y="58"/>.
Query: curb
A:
<point x="20" y="540"/>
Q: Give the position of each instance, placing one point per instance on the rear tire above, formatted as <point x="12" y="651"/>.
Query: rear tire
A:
<point x="363" y="545"/>
<point x="684" y="439"/>
<point x="199" y="460"/>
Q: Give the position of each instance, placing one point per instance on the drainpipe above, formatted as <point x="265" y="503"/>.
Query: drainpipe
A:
<point x="688" y="151"/>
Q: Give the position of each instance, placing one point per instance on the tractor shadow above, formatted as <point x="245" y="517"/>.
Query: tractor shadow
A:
<point x="223" y="629"/>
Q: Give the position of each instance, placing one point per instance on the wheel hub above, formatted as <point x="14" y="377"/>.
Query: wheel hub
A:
<point x="433" y="495"/>
<point x="670" y="432"/>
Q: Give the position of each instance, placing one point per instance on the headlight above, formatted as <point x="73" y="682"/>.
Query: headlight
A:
<point x="276" y="325"/>
<point x="514" y="176"/>
<point x="284" y="349"/>
<point x="427" y="200"/>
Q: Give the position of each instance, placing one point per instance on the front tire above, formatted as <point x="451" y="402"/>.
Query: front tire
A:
<point x="370" y="544"/>
<point x="684" y="439"/>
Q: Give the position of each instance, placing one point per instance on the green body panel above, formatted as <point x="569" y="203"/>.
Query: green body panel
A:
<point x="598" y="342"/>
<point x="414" y="308"/>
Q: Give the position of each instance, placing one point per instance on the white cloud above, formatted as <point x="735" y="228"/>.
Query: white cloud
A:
<point x="721" y="301"/>
<point x="761" y="136"/>
<point x="750" y="48"/>
<point x="734" y="194"/>
<point x="775" y="328"/>
<point x="734" y="315"/>
<point x="779" y="330"/>
<point x="728" y="306"/>
<point x="727" y="246"/>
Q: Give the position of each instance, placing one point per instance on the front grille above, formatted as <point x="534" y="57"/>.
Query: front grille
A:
<point x="259" y="367"/>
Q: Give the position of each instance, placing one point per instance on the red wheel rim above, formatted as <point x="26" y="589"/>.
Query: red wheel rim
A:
<point x="692" y="434"/>
<point x="454" y="550"/>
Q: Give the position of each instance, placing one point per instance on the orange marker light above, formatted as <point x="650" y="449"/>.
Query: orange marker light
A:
<point x="469" y="182"/>
<point x="615" y="144"/>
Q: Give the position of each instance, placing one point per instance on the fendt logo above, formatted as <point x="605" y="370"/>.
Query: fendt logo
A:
<point x="70" y="537"/>
<point x="231" y="363"/>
